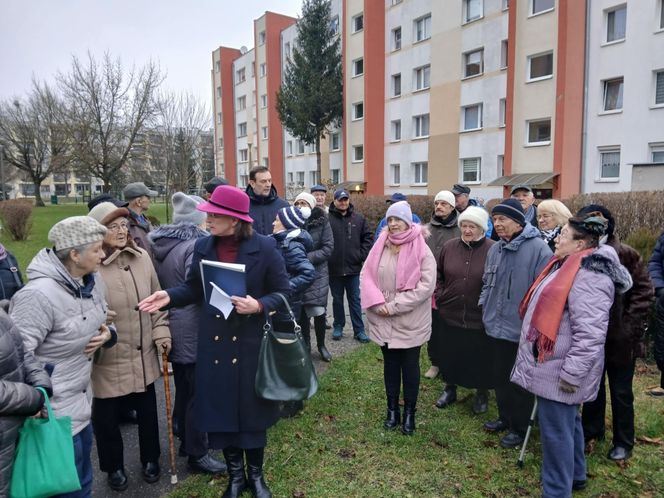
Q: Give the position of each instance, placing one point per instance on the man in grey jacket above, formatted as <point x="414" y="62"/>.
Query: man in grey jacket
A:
<point x="511" y="267"/>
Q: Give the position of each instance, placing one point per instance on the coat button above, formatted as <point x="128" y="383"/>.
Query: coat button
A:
<point x="216" y="337"/>
<point x="217" y="316"/>
<point x="234" y="361"/>
<point x="234" y="338"/>
<point x="216" y="362"/>
<point x="138" y="347"/>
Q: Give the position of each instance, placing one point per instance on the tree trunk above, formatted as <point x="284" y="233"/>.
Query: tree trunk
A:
<point x="318" y="166"/>
<point x="39" y="202"/>
<point x="107" y="185"/>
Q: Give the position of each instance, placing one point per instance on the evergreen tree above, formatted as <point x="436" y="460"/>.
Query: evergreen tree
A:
<point x="310" y="98"/>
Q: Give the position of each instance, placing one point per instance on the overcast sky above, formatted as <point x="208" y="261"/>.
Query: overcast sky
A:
<point x="40" y="36"/>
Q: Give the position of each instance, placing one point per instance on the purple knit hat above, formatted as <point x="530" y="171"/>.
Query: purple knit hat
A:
<point x="402" y="211"/>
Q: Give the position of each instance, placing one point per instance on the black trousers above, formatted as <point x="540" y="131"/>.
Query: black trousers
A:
<point x="515" y="404"/>
<point x="319" y="325"/>
<point x="622" y="407"/>
<point x="402" y="365"/>
<point x="106" y="424"/>
<point x="433" y="346"/>
<point x="193" y="442"/>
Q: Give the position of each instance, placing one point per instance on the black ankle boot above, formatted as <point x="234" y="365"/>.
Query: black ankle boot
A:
<point x="320" y="341"/>
<point x="393" y="417"/>
<point x="237" y="482"/>
<point x="408" y="426"/>
<point x="255" y="473"/>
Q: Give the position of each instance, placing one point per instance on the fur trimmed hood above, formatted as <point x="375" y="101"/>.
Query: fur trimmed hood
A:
<point x="605" y="260"/>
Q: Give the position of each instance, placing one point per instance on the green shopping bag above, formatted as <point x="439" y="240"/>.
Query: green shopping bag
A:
<point x="44" y="464"/>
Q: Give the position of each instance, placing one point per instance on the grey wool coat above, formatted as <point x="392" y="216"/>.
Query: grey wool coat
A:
<point x="319" y="228"/>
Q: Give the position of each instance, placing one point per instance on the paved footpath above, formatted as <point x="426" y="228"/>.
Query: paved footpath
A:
<point x="139" y="488"/>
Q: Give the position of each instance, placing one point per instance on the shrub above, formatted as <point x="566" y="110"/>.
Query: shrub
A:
<point x="373" y="207"/>
<point x="643" y="240"/>
<point x="16" y="217"/>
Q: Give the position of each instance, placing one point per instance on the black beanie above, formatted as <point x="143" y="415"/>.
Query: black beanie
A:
<point x="590" y="208"/>
<point x="512" y="209"/>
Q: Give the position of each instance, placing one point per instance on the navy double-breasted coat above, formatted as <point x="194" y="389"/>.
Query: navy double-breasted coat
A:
<point x="225" y="399"/>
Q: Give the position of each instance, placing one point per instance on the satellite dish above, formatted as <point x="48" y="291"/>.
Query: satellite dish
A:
<point x="243" y="50"/>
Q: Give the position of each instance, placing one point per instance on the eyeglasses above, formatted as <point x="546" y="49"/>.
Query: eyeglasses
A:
<point x="117" y="227"/>
<point x="544" y="216"/>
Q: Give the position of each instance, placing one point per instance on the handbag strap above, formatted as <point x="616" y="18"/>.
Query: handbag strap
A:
<point x="51" y="416"/>
<point x="297" y="327"/>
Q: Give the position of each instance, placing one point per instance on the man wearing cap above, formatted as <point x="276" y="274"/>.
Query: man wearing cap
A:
<point x="139" y="197"/>
<point x="524" y="194"/>
<point x="320" y="194"/>
<point x="442" y="227"/>
<point x="265" y="202"/>
<point x="352" y="242"/>
<point x="395" y="197"/>
<point x="511" y="267"/>
<point x="212" y="184"/>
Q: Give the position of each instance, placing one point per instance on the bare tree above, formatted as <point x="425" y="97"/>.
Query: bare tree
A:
<point x="107" y="107"/>
<point x="33" y="135"/>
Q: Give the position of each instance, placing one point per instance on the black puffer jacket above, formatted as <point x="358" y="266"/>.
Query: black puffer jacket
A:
<point x="319" y="228"/>
<point x="18" y="397"/>
<point x="10" y="277"/>
<point x="352" y="242"/>
<point x="294" y="246"/>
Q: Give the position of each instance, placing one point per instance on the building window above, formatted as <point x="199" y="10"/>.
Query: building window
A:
<point x="506" y="4"/>
<point x="300" y="147"/>
<point x="358" y="23"/>
<point x="358" y="110"/>
<point x="313" y="177"/>
<point x="420" y="173"/>
<point x="421" y="126"/>
<point x="616" y="23"/>
<point x="334" y="25"/>
<point x="473" y="63"/>
<point x="290" y="177"/>
<point x="244" y="155"/>
<point x="289" y="147"/>
<point x="472" y="9"/>
<point x="335" y="176"/>
<point x="264" y="101"/>
<point x="358" y="153"/>
<point x="261" y="38"/>
<point x="300" y="178"/>
<point x="358" y="67"/>
<point x="609" y="163"/>
<point x="422" y="77"/>
<point x="540" y="66"/>
<point x="287" y="50"/>
<point x="396" y="85"/>
<point x="221" y="142"/>
<point x="396" y="2"/>
<point x="218" y="118"/>
<point x="500" y="163"/>
<point x="661" y="14"/>
<point x="336" y="141"/>
<point x="423" y="28"/>
<point x="395" y="174"/>
<point x="472" y="117"/>
<point x="396" y="38"/>
<point x="502" y="104"/>
<point x="504" y="46"/>
<point x="253" y="99"/>
<point x="242" y="129"/>
<point x="217" y="66"/>
<point x="396" y="130"/>
<point x="541" y="6"/>
<point x="539" y="132"/>
<point x="263" y="69"/>
<point x="240" y="76"/>
<point x="264" y="132"/>
<point x="659" y="88"/>
<point x="218" y="92"/>
<point x="657" y="153"/>
<point x="613" y="94"/>
<point x="470" y="169"/>
<point x="241" y="103"/>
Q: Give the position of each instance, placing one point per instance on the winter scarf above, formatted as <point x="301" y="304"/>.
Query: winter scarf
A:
<point x="549" y="235"/>
<point x="412" y="248"/>
<point x="551" y="304"/>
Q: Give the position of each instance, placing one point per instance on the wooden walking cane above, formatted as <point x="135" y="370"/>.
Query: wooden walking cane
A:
<point x="169" y="417"/>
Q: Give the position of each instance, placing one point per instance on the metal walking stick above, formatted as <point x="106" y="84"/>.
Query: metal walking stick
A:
<point x="169" y="417"/>
<point x="531" y="422"/>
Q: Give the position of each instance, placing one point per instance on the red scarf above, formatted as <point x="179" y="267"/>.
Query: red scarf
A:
<point x="548" y="313"/>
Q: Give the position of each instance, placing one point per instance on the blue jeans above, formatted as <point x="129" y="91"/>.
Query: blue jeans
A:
<point x="82" y="449"/>
<point x="350" y="284"/>
<point x="561" y="435"/>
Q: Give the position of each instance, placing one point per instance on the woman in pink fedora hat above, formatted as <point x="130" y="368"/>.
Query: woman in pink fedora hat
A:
<point x="225" y="402"/>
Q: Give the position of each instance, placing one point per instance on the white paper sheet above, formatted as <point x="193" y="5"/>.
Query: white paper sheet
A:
<point x="220" y="300"/>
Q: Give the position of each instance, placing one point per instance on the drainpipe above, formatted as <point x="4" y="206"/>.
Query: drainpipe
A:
<point x="584" y="134"/>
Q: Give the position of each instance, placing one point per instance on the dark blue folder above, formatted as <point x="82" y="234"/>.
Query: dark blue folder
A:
<point x="229" y="277"/>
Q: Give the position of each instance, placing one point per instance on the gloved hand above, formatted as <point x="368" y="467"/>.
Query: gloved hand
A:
<point x="163" y="344"/>
<point x="567" y="387"/>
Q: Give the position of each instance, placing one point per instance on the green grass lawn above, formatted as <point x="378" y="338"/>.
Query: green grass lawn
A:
<point x="42" y="221"/>
<point x="338" y="448"/>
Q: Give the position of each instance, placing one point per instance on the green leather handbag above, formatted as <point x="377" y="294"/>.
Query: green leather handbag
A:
<point x="285" y="371"/>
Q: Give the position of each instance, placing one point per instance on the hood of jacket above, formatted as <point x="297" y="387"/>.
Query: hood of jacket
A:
<point x="166" y="237"/>
<point x="605" y="260"/>
<point x="47" y="265"/>
<point x="529" y="232"/>
<point x="336" y="212"/>
<point x="262" y="199"/>
<point x="317" y="218"/>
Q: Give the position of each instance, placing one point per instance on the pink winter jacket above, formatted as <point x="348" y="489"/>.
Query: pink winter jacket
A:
<point x="409" y="323"/>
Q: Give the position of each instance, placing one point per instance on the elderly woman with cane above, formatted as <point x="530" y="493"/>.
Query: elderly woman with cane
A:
<point x="561" y="349"/>
<point x="225" y="402"/>
<point x="396" y="285"/>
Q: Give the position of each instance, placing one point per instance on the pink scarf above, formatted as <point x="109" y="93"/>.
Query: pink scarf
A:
<point x="411" y="253"/>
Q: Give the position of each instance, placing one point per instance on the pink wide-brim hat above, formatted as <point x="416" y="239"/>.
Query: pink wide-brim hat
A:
<point x="229" y="201"/>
